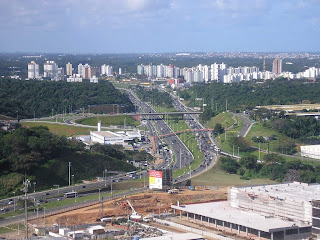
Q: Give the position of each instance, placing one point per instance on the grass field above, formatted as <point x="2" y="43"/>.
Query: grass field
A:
<point x="109" y="120"/>
<point x="259" y="130"/>
<point x="12" y="228"/>
<point x="217" y="177"/>
<point x="225" y="119"/>
<point x="61" y="130"/>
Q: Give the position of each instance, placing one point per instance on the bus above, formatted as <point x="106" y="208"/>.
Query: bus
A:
<point x="131" y="174"/>
<point x="70" y="194"/>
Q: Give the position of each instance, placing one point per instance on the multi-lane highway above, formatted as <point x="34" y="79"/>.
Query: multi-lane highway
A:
<point x="158" y="126"/>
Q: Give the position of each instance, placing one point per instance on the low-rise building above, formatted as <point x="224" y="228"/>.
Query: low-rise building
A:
<point x="277" y="211"/>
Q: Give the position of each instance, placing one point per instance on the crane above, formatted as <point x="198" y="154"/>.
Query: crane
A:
<point x="134" y="215"/>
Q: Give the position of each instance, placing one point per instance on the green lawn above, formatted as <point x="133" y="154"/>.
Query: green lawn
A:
<point x="225" y="119"/>
<point x="109" y="120"/>
<point x="12" y="228"/>
<point x="259" y="130"/>
<point x="217" y="177"/>
<point x="61" y="130"/>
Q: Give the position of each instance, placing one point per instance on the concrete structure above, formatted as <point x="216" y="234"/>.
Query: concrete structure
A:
<point x="74" y="79"/>
<point x="80" y="69"/>
<point x="277" y="66"/>
<point x="106" y="70"/>
<point x="69" y="69"/>
<point x="279" y="211"/>
<point x="94" y="79"/>
<point x="50" y="70"/>
<point x="33" y="70"/>
<point x="106" y="137"/>
<point x="86" y="71"/>
<point x="311" y="151"/>
<point x="96" y="230"/>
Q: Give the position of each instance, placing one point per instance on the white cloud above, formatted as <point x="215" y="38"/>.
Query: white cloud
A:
<point x="43" y="14"/>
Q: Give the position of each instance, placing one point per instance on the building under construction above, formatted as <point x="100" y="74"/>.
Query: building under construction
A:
<point x="278" y="211"/>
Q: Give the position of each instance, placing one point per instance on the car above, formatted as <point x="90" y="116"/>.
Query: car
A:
<point x="10" y="202"/>
<point x="59" y="199"/>
<point x="47" y="194"/>
<point x="83" y="186"/>
<point x="4" y="209"/>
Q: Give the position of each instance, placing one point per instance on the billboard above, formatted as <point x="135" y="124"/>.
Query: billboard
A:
<point x="155" y="179"/>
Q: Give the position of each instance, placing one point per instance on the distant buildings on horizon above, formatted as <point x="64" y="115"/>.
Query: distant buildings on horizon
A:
<point x="221" y="73"/>
<point x="53" y="72"/>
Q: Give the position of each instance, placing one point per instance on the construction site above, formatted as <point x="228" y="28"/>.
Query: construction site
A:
<point x="278" y="211"/>
<point x="110" y="218"/>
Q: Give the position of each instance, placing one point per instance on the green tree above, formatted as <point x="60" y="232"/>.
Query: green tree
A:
<point x="218" y="128"/>
<point x="249" y="162"/>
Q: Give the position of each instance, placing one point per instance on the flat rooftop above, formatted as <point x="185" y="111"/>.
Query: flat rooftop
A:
<point x="223" y="211"/>
<point x="106" y="134"/>
<point x="300" y="192"/>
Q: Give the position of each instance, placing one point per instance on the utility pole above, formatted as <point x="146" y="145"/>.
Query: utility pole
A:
<point x="227" y="105"/>
<point x="26" y="184"/>
<point x="69" y="171"/>
<point x="180" y="158"/>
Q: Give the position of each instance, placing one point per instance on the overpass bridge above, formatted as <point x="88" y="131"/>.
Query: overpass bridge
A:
<point x="163" y="114"/>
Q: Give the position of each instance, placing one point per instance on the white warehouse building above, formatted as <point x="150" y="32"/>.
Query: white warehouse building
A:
<point x="311" y="151"/>
<point x="277" y="211"/>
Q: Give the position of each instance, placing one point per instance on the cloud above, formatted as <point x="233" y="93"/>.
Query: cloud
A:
<point x="54" y="15"/>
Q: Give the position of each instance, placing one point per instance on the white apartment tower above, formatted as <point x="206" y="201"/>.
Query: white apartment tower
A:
<point x="106" y="70"/>
<point x="50" y="69"/>
<point x="80" y="70"/>
<point x="33" y="70"/>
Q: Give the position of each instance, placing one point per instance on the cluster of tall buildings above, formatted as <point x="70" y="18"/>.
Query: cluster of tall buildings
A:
<point x="221" y="73"/>
<point x="53" y="72"/>
<point x="200" y="73"/>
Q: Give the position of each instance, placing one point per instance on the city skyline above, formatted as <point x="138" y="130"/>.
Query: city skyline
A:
<point x="154" y="26"/>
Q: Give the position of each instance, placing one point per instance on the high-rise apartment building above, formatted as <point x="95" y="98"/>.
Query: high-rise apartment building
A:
<point x="69" y="69"/>
<point x="50" y="69"/>
<point x="277" y="66"/>
<point x="33" y="70"/>
<point x="80" y="69"/>
<point x="106" y="70"/>
<point x="86" y="71"/>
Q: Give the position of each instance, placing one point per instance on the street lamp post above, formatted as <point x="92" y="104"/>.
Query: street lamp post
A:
<point x="34" y="187"/>
<point x="73" y="182"/>
<point x="14" y="201"/>
<point x="99" y="194"/>
<point x="111" y="185"/>
<point x="69" y="163"/>
<point x="105" y="177"/>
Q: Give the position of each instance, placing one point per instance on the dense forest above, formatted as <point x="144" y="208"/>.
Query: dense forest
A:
<point x="272" y="166"/>
<point x="44" y="158"/>
<point x="247" y="95"/>
<point x="156" y="97"/>
<point x="24" y="99"/>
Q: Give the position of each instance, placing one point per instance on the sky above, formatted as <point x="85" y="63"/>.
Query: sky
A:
<point x="157" y="26"/>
